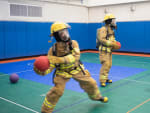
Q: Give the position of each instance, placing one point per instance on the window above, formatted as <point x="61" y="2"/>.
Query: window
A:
<point x="34" y="11"/>
<point x="25" y="10"/>
<point x="18" y="10"/>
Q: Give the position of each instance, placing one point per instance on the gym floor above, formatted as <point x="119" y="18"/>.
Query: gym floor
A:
<point x="129" y="92"/>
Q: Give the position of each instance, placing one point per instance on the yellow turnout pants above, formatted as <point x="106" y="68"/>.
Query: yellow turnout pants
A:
<point x="86" y="82"/>
<point x="106" y="61"/>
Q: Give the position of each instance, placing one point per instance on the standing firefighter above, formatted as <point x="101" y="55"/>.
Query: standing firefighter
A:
<point x="106" y="43"/>
<point x="64" y="55"/>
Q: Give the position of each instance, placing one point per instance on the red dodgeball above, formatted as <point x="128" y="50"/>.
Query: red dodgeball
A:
<point x="116" y="45"/>
<point x="42" y="63"/>
<point x="119" y="45"/>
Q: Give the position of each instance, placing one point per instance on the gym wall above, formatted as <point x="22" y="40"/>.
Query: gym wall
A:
<point x="133" y="21"/>
<point x="28" y="34"/>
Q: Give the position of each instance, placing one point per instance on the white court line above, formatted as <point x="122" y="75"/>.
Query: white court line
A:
<point x="3" y="75"/>
<point x="43" y="95"/>
<point x="147" y="83"/>
<point x="142" y="82"/>
<point x="23" y="71"/>
<point x="16" y="72"/>
<point x="19" y="105"/>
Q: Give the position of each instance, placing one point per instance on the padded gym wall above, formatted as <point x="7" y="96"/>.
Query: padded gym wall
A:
<point x="133" y="24"/>
<point x="26" y="36"/>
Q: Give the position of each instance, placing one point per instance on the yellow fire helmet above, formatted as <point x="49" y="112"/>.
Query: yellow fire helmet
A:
<point x="109" y="16"/>
<point x="57" y="26"/>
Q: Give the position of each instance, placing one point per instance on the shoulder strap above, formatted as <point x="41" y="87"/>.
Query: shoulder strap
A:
<point x="54" y="49"/>
<point x="70" y="45"/>
<point x="107" y="36"/>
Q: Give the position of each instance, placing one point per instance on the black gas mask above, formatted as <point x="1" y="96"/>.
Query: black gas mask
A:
<point x="113" y="23"/>
<point x="62" y="35"/>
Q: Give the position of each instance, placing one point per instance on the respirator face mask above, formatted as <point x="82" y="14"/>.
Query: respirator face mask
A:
<point x="64" y="35"/>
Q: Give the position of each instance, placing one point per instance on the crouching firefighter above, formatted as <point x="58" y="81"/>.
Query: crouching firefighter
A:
<point x="64" y="56"/>
<point x="106" y="43"/>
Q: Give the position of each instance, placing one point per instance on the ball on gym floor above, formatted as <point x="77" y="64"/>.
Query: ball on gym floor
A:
<point x="14" y="78"/>
<point x="42" y="63"/>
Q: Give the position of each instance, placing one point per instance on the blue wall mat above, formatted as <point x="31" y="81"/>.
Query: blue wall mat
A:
<point x="31" y="38"/>
<point x="134" y="36"/>
<point x="37" y="38"/>
<point x="79" y="32"/>
<point x="147" y="37"/>
<point x="92" y="31"/>
<point x="10" y="39"/>
<point x="2" y="41"/>
<point x="21" y="38"/>
<point x="43" y="45"/>
<point x="24" y="69"/>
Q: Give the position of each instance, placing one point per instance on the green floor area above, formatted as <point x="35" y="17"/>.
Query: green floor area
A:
<point x="119" y="60"/>
<point x="27" y="96"/>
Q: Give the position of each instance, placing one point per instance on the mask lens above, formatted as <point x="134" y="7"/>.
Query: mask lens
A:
<point x="113" y="22"/>
<point x="64" y="34"/>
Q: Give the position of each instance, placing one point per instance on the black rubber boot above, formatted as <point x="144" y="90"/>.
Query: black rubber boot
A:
<point x="103" y="99"/>
<point x="109" y="81"/>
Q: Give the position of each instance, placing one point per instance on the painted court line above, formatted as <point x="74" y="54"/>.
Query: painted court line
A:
<point x="19" y="105"/>
<point x="85" y="99"/>
<point x="142" y="82"/>
<point x="22" y="71"/>
<point x="138" y="105"/>
<point x="3" y="75"/>
<point x="108" y="90"/>
<point x="16" y="72"/>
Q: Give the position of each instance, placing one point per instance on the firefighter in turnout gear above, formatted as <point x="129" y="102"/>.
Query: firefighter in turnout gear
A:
<point x="64" y="56"/>
<point x="106" y="39"/>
